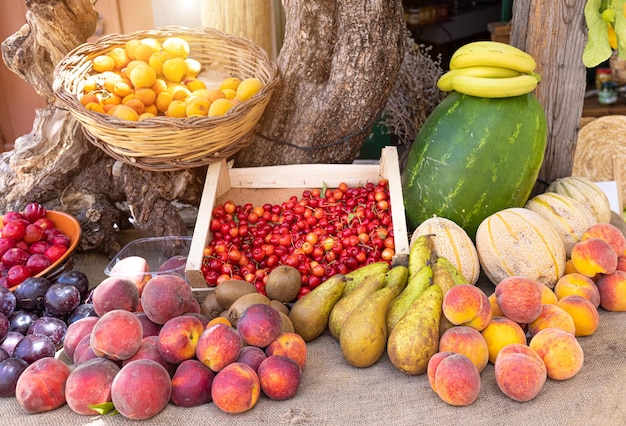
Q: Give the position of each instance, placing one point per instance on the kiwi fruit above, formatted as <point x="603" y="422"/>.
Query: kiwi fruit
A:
<point x="242" y="303"/>
<point x="209" y="307"/>
<point x="279" y="306"/>
<point x="283" y="283"/>
<point x="228" y="291"/>
<point x="287" y="326"/>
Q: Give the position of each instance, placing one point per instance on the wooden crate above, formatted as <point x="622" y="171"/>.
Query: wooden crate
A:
<point x="274" y="184"/>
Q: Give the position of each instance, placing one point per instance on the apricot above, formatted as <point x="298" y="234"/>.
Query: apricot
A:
<point x="560" y="352"/>
<point x="149" y="349"/>
<point x="467" y="341"/>
<point x="609" y="233"/>
<point x="291" y="345"/>
<point x="259" y="325"/>
<point x="117" y="335"/>
<point x="279" y="377"/>
<point x="165" y="297"/>
<point x="219" y="107"/>
<point x="594" y="256"/>
<point x="552" y="316"/>
<point x="251" y="355"/>
<point x="612" y="289"/>
<point x="175" y="69"/>
<point x="197" y="106"/>
<point x="41" y="386"/>
<point x="142" y="76"/>
<point x="178" y="338"/>
<point x="141" y="389"/>
<point x="519" y="298"/>
<point x="75" y="332"/>
<point x="576" y="283"/>
<point x="236" y="388"/>
<point x="191" y="384"/>
<point x="89" y="384"/>
<point x="520" y="372"/>
<point x="218" y="346"/>
<point x="456" y="379"/>
<point x="115" y="293"/>
<point x="585" y="315"/>
<point x="247" y="88"/>
<point x="500" y="332"/>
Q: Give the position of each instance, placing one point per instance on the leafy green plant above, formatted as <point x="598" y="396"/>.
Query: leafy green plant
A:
<point x="606" y="24"/>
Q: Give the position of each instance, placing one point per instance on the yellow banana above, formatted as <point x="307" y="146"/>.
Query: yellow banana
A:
<point x="444" y="82"/>
<point x="494" y="87"/>
<point x="492" y="53"/>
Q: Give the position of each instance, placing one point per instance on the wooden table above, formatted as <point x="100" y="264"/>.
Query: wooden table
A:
<point x="593" y="108"/>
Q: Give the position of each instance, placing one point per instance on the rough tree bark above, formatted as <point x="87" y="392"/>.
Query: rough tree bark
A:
<point x="338" y="65"/>
<point x="554" y="33"/>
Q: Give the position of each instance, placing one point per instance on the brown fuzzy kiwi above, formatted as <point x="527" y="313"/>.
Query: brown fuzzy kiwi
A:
<point x="240" y="305"/>
<point x="287" y="326"/>
<point x="228" y="291"/>
<point x="279" y="306"/>
<point x="209" y="306"/>
<point x="283" y="283"/>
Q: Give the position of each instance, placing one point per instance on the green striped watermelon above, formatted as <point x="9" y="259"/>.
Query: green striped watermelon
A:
<point x="473" y="157"/>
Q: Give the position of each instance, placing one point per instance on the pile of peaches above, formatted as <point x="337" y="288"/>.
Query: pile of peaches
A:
<point x="146" y="78"/>
<point x="527" y="330"/>
<point x="149" y="345"/>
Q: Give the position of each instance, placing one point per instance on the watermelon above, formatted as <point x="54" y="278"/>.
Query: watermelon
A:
<point x="473" y="157"/>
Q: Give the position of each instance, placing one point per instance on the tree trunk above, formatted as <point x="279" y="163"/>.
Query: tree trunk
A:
<point x="338" y="64"/>
<point x="554" y="34"/>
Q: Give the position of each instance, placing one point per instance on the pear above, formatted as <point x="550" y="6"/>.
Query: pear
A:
<point x="415" y="338"/>
<point x="363" y="336"/>
<point x="309" y="315"/>
<point x="344" y="307"/>
<point x="356" y="277"/>
<point x="414" y="288"/>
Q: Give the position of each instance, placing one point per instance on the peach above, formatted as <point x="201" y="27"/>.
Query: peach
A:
<point x="149" y="349"/>
<point x="141" y="389"/>
<point x="594" y="256"/>
<point x="202" y="318"/>
<point x="548" y="297"/>
<point x="279" y="377"/>
<point x="552" y="316"/>
<point x="612" y="288"/>
<point x="501" y="332"/>
<point x="178" y="338"/>
<point x="291" y="345"/>
<point x="117" y="335"/>
<point x="520" y="374"/>
<point x="218" y="346"/>
<point x="83" y="351"/>
<point x="519" y="298"/>
<point x="580" y="284"/>
<point x="560" y="352"/>
<point x="468" y="341"/>
<point x="259" y="325"/>
<point x="149" y="327"/>
<point x="585" y="315"/>
<point x="495" y="309"/>
<point x="75" y="332"/>
<point x="621" y="263"/>
<point x="251" y="355"/>
<point x="456" y="379"/>
<point x="609" y="233"/>
<point x="41" y="386"/>
<point x="115" y="293"/>
<point x="133" y="268"/>
<point x="236" y="388"/>
<point x="433" y="363"/>
<point x="191" y="384"/>
<point x="165" y="297"/>
<point x="462" y="303"/>
<point x="90" y="384"/>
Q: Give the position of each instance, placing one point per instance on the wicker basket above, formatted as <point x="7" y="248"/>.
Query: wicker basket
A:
<point x="165" y="143"/>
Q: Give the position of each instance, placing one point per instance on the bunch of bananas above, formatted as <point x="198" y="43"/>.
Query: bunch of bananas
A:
<point x="490" y="69"/>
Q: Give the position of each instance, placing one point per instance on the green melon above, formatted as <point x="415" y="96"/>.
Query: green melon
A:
<point x="473" y="157"/>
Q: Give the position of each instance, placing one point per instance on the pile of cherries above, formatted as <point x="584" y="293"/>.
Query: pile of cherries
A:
<point x="29" y="243"/>
<point x="324" y="232"/>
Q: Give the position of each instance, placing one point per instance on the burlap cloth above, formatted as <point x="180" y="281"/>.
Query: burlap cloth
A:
<point x="334" y="393"/>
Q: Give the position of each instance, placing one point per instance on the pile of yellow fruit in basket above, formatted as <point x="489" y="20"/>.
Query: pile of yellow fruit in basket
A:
<point x="147" y="78"/>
